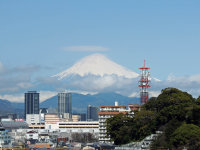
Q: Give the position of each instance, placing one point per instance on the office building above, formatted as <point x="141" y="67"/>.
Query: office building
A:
<point x="92" y="113"/>
<point x="64" y="105"/>
<point x="31" y="103"/>
<point x="83" y="116"/>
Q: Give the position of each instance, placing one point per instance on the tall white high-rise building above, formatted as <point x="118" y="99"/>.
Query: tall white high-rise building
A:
<point x="64" y="105"/>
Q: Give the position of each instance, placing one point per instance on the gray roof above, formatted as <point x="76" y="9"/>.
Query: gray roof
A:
<point x="14" y="124"/>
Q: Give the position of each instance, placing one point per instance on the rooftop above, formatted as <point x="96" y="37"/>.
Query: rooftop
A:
<point x="111" y="113"/>
<point x="114" y="106"/>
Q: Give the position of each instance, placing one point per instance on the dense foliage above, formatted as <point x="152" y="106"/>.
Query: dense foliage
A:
<point x="174" y="112"/>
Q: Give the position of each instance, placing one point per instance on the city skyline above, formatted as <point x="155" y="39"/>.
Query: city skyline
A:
<point x="41" y="39"/>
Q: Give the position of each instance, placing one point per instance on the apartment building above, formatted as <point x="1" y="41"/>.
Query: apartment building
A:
<point x="105" y="113"/>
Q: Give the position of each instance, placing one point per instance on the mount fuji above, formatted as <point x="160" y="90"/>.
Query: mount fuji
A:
<point x="98" y="65"/>
<point x="98" y="74"/>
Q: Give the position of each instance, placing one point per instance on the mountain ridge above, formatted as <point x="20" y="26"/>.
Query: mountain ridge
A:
<point x="11" y="107"/>
<point x="80" y="102"/>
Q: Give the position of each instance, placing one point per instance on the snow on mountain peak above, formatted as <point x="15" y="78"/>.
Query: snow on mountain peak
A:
<point x="96" y="64"/>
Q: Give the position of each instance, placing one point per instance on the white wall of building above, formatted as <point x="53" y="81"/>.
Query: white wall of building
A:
<point x="33" y="118"/>
<point x="51" y="125"/>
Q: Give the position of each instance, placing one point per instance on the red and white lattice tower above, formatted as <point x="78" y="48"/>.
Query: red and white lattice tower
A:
<point x="144" y="84"/>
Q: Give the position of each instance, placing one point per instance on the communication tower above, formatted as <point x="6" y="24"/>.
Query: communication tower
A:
<point x="144" y="84"/>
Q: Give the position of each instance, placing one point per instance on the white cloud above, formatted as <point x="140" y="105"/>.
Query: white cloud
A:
<point x="46" y="94"/>
<point x="151" y="93"/>
<point x="24" y="85"/>
<point x="16" y="79"/>
<point x="107" y="83"/>
<point x="15" y="83"/>
<point x="190" y="84"/>
<point x="195" y="78"/>
<point x="13" y="98"/>
<point x="82" y="92"/>
<point x="129" y="87"/>
<point x="134" y="94"/>
<point x="20" y="97"/>
<point x="154" y="93"/>
<point x="88" y="48"/>
<point x="184" y="79"/>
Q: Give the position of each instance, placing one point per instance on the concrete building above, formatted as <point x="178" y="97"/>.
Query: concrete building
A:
<point x="51" y="118"/>
<point x="32" y="135"/>
<point x="31" y="103"/>
<point x="43" y="111"/>
<point x="64" y="105"/>
<point x="80" y="126"/>
<point x="11" y="125"/>
<point x="33" y="119"/>
<point x="51" y="121"/>
<point x="134" y="106"/>
<point x="51" y="125"/>
<point x="76" y="118"/>
<point x="92" y="113"/>
<point x="36" y="126"/>
<point x="5" y="138"/>
<point x="105" y="113"/>
<point x="82" y="116"/>
<point x="74" y="127"/>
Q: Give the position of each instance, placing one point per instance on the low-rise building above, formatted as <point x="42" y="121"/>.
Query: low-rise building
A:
<point x="32" y="135"/>
<point x="5" y="138"/>
<point x="37" y="126"/>
<point x="33" y="118"/>
<point x="76" y="118"/>
<point x="80" y="126"/>
<point x="134" y="106"/>
<point x="51" y="125"/>
<point x="51" y="118"/>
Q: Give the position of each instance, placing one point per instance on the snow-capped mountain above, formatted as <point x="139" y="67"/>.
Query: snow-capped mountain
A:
<point x="98" y="65"/>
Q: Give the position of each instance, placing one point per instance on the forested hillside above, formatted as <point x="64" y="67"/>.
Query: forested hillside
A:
<point x="174" y="112"/>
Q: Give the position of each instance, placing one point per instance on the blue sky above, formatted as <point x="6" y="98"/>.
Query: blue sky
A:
<point x="37" y="34"/>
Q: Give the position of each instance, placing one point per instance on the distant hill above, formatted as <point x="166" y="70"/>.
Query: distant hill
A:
<point x="79" y="102"/>
<point x="9" y="107"/>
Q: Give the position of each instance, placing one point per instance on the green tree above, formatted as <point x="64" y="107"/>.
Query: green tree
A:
<point x="170" y="127"/>
<point x="151" y="104"/>
<point x="145" y="123"/>
<point x="119" y="128"/>
<point x="186" y="135"/>
<point x="198" y="101"/>
<point x="173" y="96"/>
<point x="168" y="112"/>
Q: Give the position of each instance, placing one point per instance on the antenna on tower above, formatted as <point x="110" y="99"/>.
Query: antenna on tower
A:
<point x="144" y="84"/>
